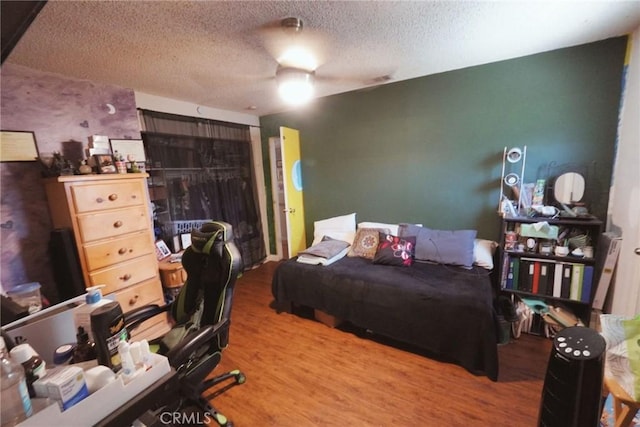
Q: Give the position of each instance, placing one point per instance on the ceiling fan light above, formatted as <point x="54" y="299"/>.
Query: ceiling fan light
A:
<point x="299" y="57"/>
<point x="295" y="86"/>
<point x="296" y="92"/>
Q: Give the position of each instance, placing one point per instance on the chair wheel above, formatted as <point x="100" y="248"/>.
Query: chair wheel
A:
<point x="240" y="378"/>
<point x="221" y="420"/>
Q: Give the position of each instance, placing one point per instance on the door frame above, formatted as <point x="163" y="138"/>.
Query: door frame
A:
<point x="275" y="195"/>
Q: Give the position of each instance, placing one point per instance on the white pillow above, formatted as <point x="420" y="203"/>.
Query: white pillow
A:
<point x="393" y="228"/>
<point x="339" y="227"/>
<point x="483" y="253"/>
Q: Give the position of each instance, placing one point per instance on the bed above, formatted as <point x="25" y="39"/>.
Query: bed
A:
<point x="446" y="310"/>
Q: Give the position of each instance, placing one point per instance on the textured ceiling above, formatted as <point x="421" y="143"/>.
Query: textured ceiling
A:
<point x="219" y="54"/>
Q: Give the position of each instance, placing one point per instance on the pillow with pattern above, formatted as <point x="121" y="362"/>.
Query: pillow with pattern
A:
<point x="365" y="244"/>
<point x="394" y="250"/>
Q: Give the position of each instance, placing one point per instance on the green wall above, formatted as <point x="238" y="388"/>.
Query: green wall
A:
<point x="429" y="150"/>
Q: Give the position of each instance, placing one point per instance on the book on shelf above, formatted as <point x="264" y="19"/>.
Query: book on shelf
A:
<point x="566" y="280"/>
<point x="536" y="275"/>
<point x="535" y="281"/>
<point x="505" y="272"/>
<point x="512" y="274"/>
<point x="516" y="272"/>
<point x="577" y="271"/>
<point x="557" y="280"/>
<point x="527" y="268"/>
<point x="543" y="287"/>
<point x="587" y="283"/>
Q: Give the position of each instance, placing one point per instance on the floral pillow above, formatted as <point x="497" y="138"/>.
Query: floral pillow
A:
<point x="365" y="244"/>
<point x="394" y="250"/>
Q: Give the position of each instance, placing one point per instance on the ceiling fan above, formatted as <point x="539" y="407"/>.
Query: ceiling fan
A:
<point x="298" y="54"/>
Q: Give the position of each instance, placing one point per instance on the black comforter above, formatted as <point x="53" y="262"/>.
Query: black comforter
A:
<point x="442" y="309"/>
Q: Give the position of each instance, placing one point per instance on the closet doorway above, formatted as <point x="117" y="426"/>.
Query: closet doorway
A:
<point x="202" y="170"/>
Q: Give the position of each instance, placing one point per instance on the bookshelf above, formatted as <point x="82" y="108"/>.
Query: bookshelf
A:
<point x="532" y="267"/>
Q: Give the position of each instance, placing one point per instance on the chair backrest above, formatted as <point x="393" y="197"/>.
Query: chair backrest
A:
<point x="212" y="264"/>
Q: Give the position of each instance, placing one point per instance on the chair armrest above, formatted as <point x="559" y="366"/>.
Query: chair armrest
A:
<point x="135" y="317"/>
<point x="181" y="353"/>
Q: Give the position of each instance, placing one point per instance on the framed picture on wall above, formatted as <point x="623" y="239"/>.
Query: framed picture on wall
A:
<point x="130" y="149"/>
<point x="18" y="146"/>
<point x="104" y="163"/>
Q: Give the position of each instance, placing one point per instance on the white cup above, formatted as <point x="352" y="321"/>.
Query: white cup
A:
<point x="588" y="251"/>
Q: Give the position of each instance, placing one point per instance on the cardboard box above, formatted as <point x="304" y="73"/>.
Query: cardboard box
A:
<point x="99" y="141"/>
<point x="611" y="244"/>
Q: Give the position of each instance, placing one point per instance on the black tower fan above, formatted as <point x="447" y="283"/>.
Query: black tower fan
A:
<point x="573" y="383"/>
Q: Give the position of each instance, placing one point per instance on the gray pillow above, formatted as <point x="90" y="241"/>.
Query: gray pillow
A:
<point x="454" y="247"/>
<point x="327" y="248"/>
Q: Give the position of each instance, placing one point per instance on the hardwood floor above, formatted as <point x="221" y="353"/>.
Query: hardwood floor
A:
<point x="300" y="372"/>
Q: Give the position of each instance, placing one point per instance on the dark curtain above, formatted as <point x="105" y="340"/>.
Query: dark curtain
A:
<point x="208" y="172"/>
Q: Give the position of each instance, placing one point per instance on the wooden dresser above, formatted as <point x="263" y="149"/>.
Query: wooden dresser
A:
<point x="111" y="223"/>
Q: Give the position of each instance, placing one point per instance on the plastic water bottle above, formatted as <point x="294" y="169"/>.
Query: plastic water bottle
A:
<point x="16" y="404"/>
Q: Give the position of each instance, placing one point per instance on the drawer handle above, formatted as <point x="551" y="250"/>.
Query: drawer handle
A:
<point x="125" y="277"/>
<point x="133" y="300"/>
<point x="122" y="251"/>
<point x="117" y="224"/>
<point x="113" y="197"/>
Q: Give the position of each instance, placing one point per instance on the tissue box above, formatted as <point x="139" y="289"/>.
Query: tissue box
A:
<point x="68" y="387"/>
<point x="41" y="385"/>
<point x="99" y="141"/>
<point x="545" y="231"/>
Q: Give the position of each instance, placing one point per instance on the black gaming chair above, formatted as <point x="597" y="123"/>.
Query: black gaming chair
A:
<point x="202" y="312"/>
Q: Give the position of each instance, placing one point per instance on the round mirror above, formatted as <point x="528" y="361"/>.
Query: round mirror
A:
<point x="569" y="188"/>
<point x="514" y="155"/>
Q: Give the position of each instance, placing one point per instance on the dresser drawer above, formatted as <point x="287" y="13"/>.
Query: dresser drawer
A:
<point x="107" y="253"/>
<point x="125" y="274"/>
<point x="95" y="226"/>
<point x="136" y="296"/>
<point x="97" y="197"/>
<point x="139" y="295"/>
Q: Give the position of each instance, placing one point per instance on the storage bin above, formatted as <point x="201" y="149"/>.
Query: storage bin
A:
<point x="27" y="295"/>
